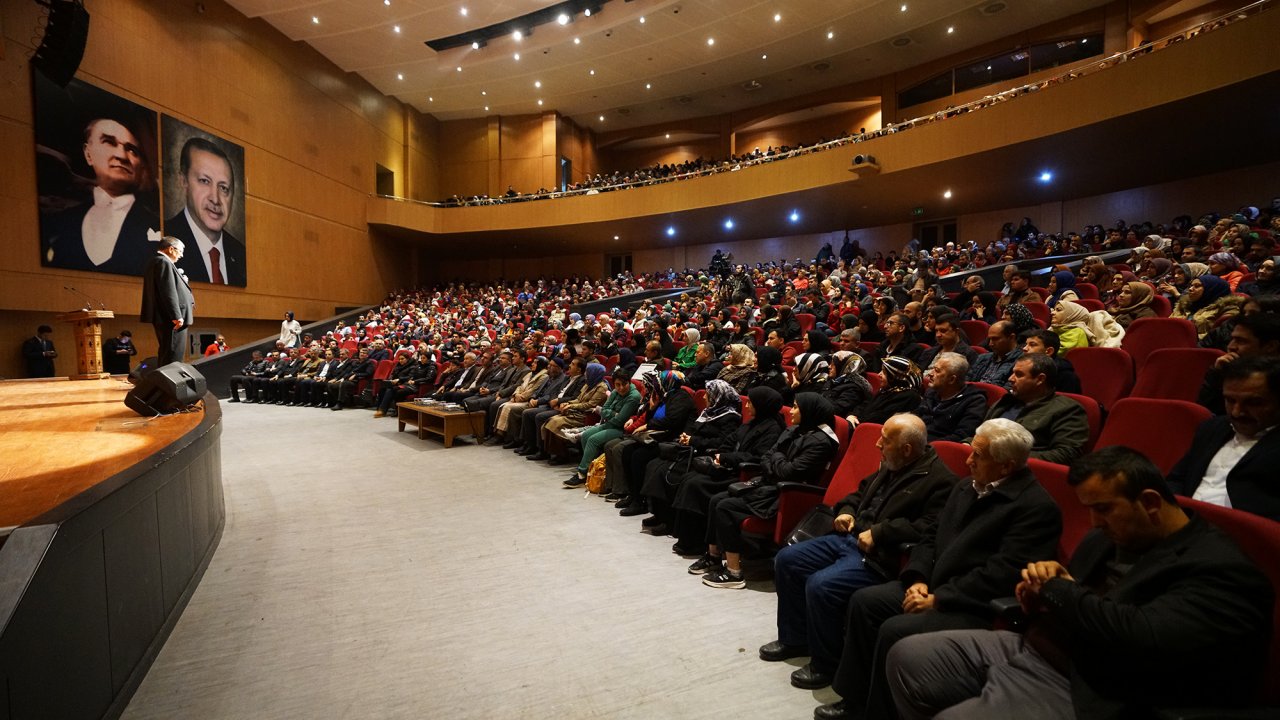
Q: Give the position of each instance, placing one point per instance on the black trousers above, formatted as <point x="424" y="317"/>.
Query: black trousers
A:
<point x="171" y="344"/>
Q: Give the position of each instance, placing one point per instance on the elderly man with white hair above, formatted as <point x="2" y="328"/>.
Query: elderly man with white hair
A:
<point x="992" y="525"/>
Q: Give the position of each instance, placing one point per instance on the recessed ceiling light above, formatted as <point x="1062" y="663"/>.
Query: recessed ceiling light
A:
<point x="463" y="10"/>
<point x="517" y="35"/>
<point x="601" y="118"/>
<point x="539" y="102"/>
<point x="641" y="19"/>
<point x="484" y="92"/>
<point x="315" y="20"/>
<point x="562" y="19"/>
<point x="668" y="136"/>
<point x="615" y="237"/>
<point x="1046" y="176"/>
<point x="475" y="46"/>
<point x="764" y="57"/>
<point x="988" y="68"/>
<point x="396" y="28"/>
<point x="459" y="68"/>
<point x="947" y="194"/>
<point x="516" y="56"/>
<point x="728" y="224"/>
<point x="592" y="72"/>
<point x="430" y="99"/>
<point x="671" y="231"/>
<point x="903" y="8"/>
<point x="486" y="108"/>
<point x="794" y="216"/>
<point x="537" y="83"/>
<point x="577" y="41"/>
<point x="950" y="30"/>
<point x="777" y="17"/>
<point x="711" y="41"/>
<point x="399" y="76"/>
<point x="386" y="2"/>
<point x="830" y="35"/>
<point x="587" y="12"/>
<point x="1084" y="41"/>
<point x="648" y="86"/>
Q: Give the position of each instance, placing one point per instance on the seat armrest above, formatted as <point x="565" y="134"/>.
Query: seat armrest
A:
<point x="786" y="487"/>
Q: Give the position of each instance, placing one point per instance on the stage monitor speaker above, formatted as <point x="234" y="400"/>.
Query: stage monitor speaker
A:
<point x="166" y="390"/>
<point x="144" y="367"/>
<point x="65" y="35"/>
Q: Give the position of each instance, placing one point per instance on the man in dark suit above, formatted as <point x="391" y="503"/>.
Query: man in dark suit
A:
<point x="1058" y="423"/>
<point x="208" y="183"/>
<point x="991" y="527"/>
<point x="1233" y="458"/>
<point x="1150" y="590"/>
<point x="110" y="233"/>
<point x="38" y="353"/>
<point x="167" y="301"/>
<point x="116" y="353"/>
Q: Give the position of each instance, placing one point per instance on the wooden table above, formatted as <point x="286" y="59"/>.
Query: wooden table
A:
<point x="434" y="419"/>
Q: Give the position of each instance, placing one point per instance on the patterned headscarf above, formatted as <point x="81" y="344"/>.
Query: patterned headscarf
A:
<point x="722" y="400"/>
<point x="849" y="363"/>
<point x="1226" y="259"/>
<point x="810" y="367"/>
<point x="741" y="355"/>
<point x="900" y="374"/>
<point x="1021" y="317"/>
<point x="660" y="384"/>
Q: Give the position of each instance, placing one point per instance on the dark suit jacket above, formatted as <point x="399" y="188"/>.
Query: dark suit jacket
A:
<point x="193" y="264"/>
<point x="166" y="296"/>
<point x="1251" y="484"/>
<point x="899" y="507"/>
<point x="33" y="350"/>
<point x="978" y="548"/>
<point x="1193" y="600"/>
<point x="64" y="242"/>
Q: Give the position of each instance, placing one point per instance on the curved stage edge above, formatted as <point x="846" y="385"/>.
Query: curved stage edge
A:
<point x="90" y="590"/>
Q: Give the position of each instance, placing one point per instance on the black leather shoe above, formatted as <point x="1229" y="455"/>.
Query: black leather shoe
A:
<point x="806" y="678"/>
<point x="624" y="502"/>
<point x="538" y="457"/>
<point x="557" y="460"/>
<point x="835" y="711"/>
<point x="635" y="508"/>
<point x="777" y="652"/>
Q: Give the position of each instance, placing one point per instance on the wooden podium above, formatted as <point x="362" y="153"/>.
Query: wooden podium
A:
<point x="88" y="342"/>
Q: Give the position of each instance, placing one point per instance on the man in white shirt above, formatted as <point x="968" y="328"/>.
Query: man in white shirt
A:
<point x="109" y="233"/>
<point x="209" y="186"/>
<point x="1233" y="458"/>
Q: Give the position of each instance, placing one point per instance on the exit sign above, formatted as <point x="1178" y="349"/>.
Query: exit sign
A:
<point x="917" y="212"/>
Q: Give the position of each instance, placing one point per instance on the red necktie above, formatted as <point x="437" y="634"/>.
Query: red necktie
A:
<point x="217" y="269"/>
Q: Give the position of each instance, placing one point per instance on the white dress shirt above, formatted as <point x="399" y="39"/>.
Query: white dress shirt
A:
<point x="101" y="227"/>
<point x="205" y="244"/>
<point x="1213" y="487"/>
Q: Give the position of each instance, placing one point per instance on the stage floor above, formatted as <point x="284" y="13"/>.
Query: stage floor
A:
<point x="59" y="437"/>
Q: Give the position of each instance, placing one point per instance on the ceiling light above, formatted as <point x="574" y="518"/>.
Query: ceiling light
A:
<point x="1046" y="176"/>
<point x="484" y="92"/>
<point x="947" y="194"/>
<point x="648" y="86"/>
<point x="516" y="56"/>
<point x="950" y="30"/>
<point x="577" y="41"/>
<point x="399" y="76"/>
<point x="1084" y="41"/>
<point x="988" y="68"/>
<point x="486" y="108"/>
<point x="386" y="2"/>
<point x="671" y="231"/>
<point x="777" y="17"/>
<point x="587" y="12"/>
<point x="517" y="35"/>
<point x="539" y="102"/>
<point x="728" y="224"/>
<point x="592" y="72"/>
<point x="315" y="20"/>
<point x="764" y="57"/>
<point x="459" y="68"/>
<point x="563" y="19"/>
<point x="396" y="28"/>
<point x="537" y="83"/>
<point x="463" y="10"/>
<point x="475" y="46"/>
<point x="668" y="136"/>
<point x="601" y="118"/>
<point x="795" y="216"/>
<point x="430" y="99"/>
<point x="615" y="237"/>
<point x="903" y="8"/>
<point x="641" y="19"/>
<point x="711" y="41"/>
<point x="830" y="35"/>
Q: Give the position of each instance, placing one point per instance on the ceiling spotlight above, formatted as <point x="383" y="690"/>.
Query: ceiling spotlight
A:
<point x="777" y="17"/>
<point x="591" y="72"/>
<point x="430" y="99"/>
<point x="830" y="35"/>
<point x="396" y="28"/>
<point x="399" y="76"/>
<point x="950" y="30"/>
<point x="947" y="194"/>
<point x="386" y="2"/>
<point x="671" y="231"/>
<point x="517" y="35"/>
<point x="475" y="46"/>
<point x="728" y="224"/>
<point x="794" y="216"/>
<point x="516" y="55"/>
<point x="668" y="136"/>
<point x="459" y="68"/>
<point x="641" y="19"/>
<point x="587" y="12"/>
<point x="539" y="102"/>
<point x="903" y="8"/>
<point x="562" y="19"/>
<point x="537" y="83"/>
<point x="486" y="108"/>
<point x="615" y="237"/>
<point x="315" y="20"/>
<point x="601" y="118"/>
<point x="577" y="41"/>
<point x="1046" y="176"/>
<point x="648" y="86"/>
<point x="484" y="92"/>
<point x="463" y="10"/>
<point x="711" y="41"/>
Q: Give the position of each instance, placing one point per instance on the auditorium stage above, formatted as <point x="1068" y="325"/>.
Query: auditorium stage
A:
<point x="108" y="520"/>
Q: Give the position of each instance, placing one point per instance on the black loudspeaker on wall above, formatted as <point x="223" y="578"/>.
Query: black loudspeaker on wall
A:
<point x="166" y="390"/>
<point x="62" y="48"/>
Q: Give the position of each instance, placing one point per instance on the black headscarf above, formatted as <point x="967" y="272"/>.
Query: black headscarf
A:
<point x="766" y="403"/>
<point x="768" y="360"/>
<point x="815" y="411"/>
<point x="819" y="342"/>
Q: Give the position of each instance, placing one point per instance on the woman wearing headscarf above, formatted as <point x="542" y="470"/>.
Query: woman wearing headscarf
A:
<point x="1093" y="270"/>
<point x="787" y="324"/>
<point x="1207" y="301"/>
<point x="812" y="371"/>
<point x="1266" y="283"/>
<point x="626" y="360"/>
<point x="669" y="411"/>
<point x="1133" y="302"/>
<point x="740" y="371"/>
<point x="982" y="307"/>
<point x="713" y="431"/>
<point x="901" y="391"/>
<point x="848" y="390"/>
<point x="1061" y="288"/>
<point x="1071" y="325"/>
<point x="525" y="391"/>
<point x="573" y="414"/>
<point x="769" y="370"/>
<point x="618" y="408"/>
<point x="1226" y="266"/>
<point x="1157" y="269"/>
<point x="685" y="356"/>
<point x="869" y="327"/>
<point x="816" y="341"/>
<point x="802" y="453"/>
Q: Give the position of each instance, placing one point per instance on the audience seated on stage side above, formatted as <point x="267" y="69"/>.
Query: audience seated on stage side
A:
<point x="952" y="408"/>
<point x="991" y="526"/>
<point x="622" y="403"/>
<point x="1058" y="424"/>
<point x="669" y="414"/>
<point x="1152" y="588"/>
<point x="816" y="578"/>
<point x="995" y="366"/>
<point x="947" y="337"/>
<point x="1233" y="459"/>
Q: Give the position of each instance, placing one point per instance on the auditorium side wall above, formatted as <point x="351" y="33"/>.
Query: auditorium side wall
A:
<point x="312" y="136"/>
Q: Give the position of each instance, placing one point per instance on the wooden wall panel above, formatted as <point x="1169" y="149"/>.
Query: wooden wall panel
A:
<point x="522" y="137"/>
<point x="809" y="132"/>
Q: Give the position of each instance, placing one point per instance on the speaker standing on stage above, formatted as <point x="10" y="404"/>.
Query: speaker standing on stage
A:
<point x="167" y="301"/>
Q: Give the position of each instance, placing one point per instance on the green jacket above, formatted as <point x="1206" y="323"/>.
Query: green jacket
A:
<point x="619" y="408"/>
<point x="1058" y="424"/>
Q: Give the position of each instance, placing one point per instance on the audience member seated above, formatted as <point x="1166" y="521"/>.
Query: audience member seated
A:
<point x="897" y="341"/>
<point x="1267" y="283"/>
<point x="995" y="366"/>
<point x="1057" y="424"/>
<point x="801" y="453"/>
<point x="254" y="368"/>
<point x="1151" y="589"/>
<point x="532" y="423"/>
<point x="847" y="388"/>
<point x="1233" y="459"/>
<point x="669" y="413"/>
<point x="900" y="392"/>
<point x="740" y="372"/>
<point x="952" y="408"/>
<point x="511" y="420"/>
<point x="1046" y="342"/>
<point x="1207" y="302"/>
<point x="1019" y="291"/>
<point x="949" y="338"/>
<point x="893" y="506"/>
<point x="1133" y="303"/>
<point x="618" y="408"/>
<point x="573" y="414"/>
<point x="1071" y="325"/>
<point x="769" y="371"/>
<point x="1226" y="266"/>
<point x="1061" y="288"/>
<point x="992" y="525"/>
<point x="705" y="369"/>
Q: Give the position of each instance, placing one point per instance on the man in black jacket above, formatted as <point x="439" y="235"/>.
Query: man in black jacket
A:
<point x="362" y="369"/>
<point x="991" y="527"/>
<point x="707" y="368"/>
<point x="815" y="579"/>
<point x="1233" y="458"/>
<point x="952" y="408"/>
<point x="1151" y="589"/>
<point x="256" y="366"/>
<point x="38" y="353"/>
